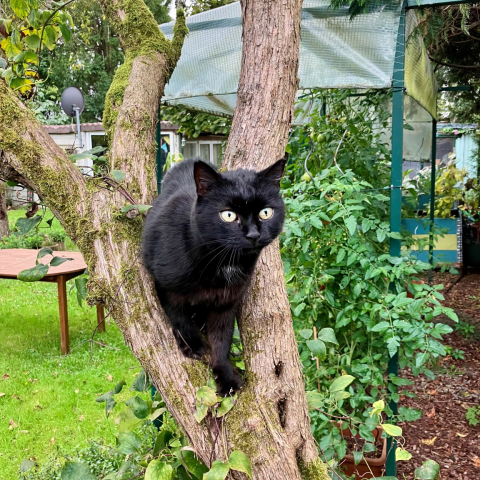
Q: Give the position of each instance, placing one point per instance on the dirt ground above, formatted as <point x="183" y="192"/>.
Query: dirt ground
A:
<point x="443" y="433"/>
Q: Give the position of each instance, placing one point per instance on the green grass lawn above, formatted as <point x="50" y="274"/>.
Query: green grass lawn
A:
<point x="47" y="402"/>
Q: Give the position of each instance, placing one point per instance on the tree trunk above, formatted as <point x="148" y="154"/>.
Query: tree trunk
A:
<point x="270" y="420"/>
<point x="4" y="228"/>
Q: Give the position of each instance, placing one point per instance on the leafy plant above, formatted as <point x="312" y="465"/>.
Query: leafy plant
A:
<point x="27" y="30"/>
<point x="473" y="416"/>
<point x="340" y="276"/>
<point x="465" y="329"/>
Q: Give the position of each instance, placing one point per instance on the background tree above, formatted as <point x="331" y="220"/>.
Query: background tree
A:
<point x="88" y="61"/>
<point x="452" y="37"/>
<point x="270" y="421"/>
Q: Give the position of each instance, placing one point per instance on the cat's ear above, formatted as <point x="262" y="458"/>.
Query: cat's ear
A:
<point x="274" y="173"/>
<point x="205" y="177"/>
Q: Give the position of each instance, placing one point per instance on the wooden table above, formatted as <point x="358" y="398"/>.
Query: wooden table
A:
<point x="13" y="261"/>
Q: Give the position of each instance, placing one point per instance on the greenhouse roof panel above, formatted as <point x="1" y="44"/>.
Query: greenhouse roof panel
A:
<point x="335" y="52"/>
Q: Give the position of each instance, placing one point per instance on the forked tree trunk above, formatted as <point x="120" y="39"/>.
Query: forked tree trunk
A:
<point x="270" y="420"/>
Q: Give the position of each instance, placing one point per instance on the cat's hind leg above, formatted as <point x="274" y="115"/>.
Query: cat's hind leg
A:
<point x="186" y="333"/>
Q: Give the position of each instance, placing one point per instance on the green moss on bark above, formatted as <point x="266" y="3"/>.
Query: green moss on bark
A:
<point x="316" y="470"/>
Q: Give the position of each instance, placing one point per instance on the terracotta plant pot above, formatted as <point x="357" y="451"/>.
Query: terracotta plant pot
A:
<point x="365" y="467"/>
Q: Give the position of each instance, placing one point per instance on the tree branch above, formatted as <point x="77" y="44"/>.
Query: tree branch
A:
<point x="453" y="65"/>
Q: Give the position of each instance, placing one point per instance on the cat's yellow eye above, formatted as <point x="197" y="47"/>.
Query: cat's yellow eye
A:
<point x="266" y="213"/>
<point x="228" y="216"/>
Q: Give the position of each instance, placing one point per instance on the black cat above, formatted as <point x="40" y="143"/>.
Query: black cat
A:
<point x="201" y="241"/>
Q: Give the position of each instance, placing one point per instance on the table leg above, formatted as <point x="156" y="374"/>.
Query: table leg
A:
<point x="62" y="304"/>
<point x="100" y="317"/>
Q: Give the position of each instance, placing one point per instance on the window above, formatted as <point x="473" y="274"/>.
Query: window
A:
<point x="190" y="150"/>
<point x="211" y="152"/>
<point x="95" y="139"/>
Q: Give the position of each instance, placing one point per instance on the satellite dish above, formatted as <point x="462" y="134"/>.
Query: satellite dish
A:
<point x="72" y="101"/>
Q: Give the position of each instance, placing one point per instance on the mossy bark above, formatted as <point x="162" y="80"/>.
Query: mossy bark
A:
<point x="270" y="420"/>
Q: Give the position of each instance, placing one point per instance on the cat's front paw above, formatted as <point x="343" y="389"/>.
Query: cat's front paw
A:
<point x="228" y="384"/>
<point x="192" y="348"/>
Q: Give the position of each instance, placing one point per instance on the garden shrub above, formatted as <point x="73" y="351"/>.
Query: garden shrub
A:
<point x="341" y="279"/>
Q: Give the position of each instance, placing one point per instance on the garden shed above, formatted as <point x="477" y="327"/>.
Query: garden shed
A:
<point x="376" y="49"/>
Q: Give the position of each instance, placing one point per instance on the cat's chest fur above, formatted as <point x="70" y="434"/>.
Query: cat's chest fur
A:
<point x="218" y="297"/>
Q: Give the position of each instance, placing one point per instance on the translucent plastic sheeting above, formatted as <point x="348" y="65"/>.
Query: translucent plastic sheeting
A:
<point x="417" y="132"/>
<point x="335" y="52"/>
<point x="420" y="79"/>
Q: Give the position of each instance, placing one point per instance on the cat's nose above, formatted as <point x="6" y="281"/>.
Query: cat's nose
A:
<point x="253" y="234"/>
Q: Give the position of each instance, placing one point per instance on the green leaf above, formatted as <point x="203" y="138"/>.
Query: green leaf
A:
<point x="26" y="466"/>
<point x="306" y="333"/>
<point x="315" y="399"/>
<point x="118" y="175"/>
<point x="239" y="461"/>
<point x="110" y="405"/>
<point x="402" y="454"/>
<point x="430" y="470"/>
<point x="328" y="335"/>
<point x="128" y="443"/>
<point x="66" y="32"/>
<point x="162" y="441"/>
<point x="201" y="411"/>
<point x="392" y="430"/>
<point x="406" y="126"/>
<point x="341" y="395"/>
<point x="218" y="471"/>
<point x="357" y="457"/>
<point x="318" y="349"/>
<point x="44" y="252"/>
<point x="141" y="208"/>
<point x="420" y="359"/>
<point x="141" y="383"/>
<point x="298" y="309"/>
<point x="10" y="49"/>
<point x="194" y="465"/>
<point x="381" y="327"/>
<point x="226" y="405"/>
<point x="81" y="286"/>
<point x="31" y="57"/>
<point x="381" y="235"/>
<point x="49" y="37"/>
<point x="400" y="381"/>
<point x="119" y="387"/>
<point x="11" y="183"/>
<point x="139" y="407"/>
<point x="56" y="261"/>
<point x="76" y="471"/>
<point x="207" y="396"/>
<point x="341" y="383"/>
<point x="158" y="470"/>
<point x="316" y="222"/>
<point x="351" y="223"/>
<point x="33" y="274"/>
<point x="410" y="414"/>
<point x="32" y="41"/>
<point x="20" y="7"/>
<point x="27" y="224"/>
<point x="104" y="397"/>
<point x="377" y="407"/>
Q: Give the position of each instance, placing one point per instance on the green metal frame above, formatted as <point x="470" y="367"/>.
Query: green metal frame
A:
<point x="432" y="199"/>
<point x="396" y="195"/>
<point x="158" y="138"/>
